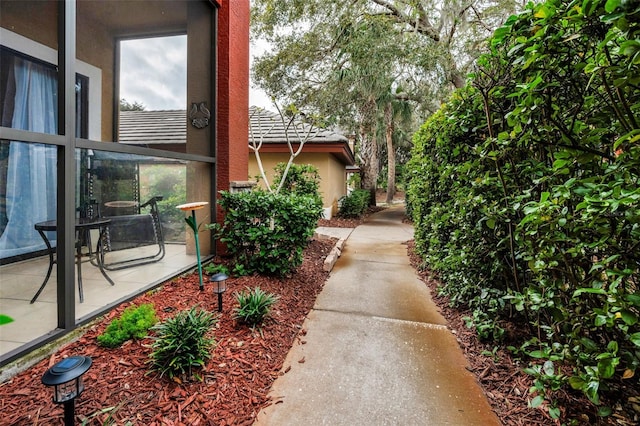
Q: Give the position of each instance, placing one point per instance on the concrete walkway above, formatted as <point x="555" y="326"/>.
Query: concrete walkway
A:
<point x="376" y="351"/>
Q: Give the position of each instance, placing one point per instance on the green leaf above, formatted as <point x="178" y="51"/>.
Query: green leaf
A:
<point x="591" y="390"/>
<point x="500" y="34"/>
<point x="537" y="401"/>
<point x="630" y="47"/>
<point x="635" y="338"/>
<point x="611" y="5"/>
<point x="576" y="382"/>
<point x="544" y="196"/>
<point x="587" y="7"/>
<point x="607" y="367"/>
<point x="600" y="320"/>
<point x="628" y="317"/>
<point x="612" y="17"/>
<point x="192" y="223"/>
<point x="631" y="137"/>
<point x="558" y="164"/>
<point x="604" y="411"/>
<point x="634" y="299"/>
<point x="580" y="291"/>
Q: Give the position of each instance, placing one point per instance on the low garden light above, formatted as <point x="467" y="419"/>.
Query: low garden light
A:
<point x="191" y="221"/>
<point x="219" y="281"/>
<point x="66" y="379"/>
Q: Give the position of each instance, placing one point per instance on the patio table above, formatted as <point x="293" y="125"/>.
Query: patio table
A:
<point x="83" y="227"/>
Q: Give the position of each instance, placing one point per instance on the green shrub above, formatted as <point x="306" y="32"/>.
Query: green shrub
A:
<point x="266" y="233"/>
<point x="302" y="179"/>
<point x="523" y="190"/>
<point x="254" y="305"/>
<point x="181" y="342"/>
<point x="213" y="268"/>
<point x="134" y="323"/>
<point x="354" y="204"/>
<point x="170" y="182"/>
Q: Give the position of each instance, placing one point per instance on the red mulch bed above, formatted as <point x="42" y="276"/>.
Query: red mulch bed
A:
<point x="234" y="384"/>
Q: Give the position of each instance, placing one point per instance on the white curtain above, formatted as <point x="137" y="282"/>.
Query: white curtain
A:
<point x="31" y="171"/>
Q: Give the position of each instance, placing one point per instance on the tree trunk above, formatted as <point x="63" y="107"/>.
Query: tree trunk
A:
<point x="369" y="149"/>
<point x="455" y="76"/>
<point x="457" y="79"/>
<point x="370" y="164"/>
<point x="391" y="153"/>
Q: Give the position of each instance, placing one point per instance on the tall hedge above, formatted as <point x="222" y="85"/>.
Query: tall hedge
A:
<point x="524" y="192"/>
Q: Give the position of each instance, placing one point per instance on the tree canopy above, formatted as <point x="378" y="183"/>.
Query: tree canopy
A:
<point x="348" y="60"/>
<point x="131" y="106"/>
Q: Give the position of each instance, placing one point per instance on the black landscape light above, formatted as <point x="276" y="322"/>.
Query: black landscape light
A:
<point x="66" y="378"/>
<point x="219" y="281"/>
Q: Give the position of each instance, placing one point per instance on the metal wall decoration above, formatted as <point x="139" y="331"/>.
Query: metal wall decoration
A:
<point x="199" y="115"/>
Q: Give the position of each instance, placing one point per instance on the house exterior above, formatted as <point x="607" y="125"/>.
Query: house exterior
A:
<point x="60" y="149"/>
<point x="330" y="152"/>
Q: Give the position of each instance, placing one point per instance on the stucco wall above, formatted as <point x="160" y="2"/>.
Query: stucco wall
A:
<point x="36" y="20"/>
<point x="332" y="173"/>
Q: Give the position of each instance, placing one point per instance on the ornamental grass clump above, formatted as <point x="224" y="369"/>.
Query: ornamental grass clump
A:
<point x="181" y="343"/>
<point x="134" y="323"/>
<point x="254" y="306"/>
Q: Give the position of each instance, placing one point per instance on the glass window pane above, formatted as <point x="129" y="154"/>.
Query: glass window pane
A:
<point x="27" y="195"/>
<point x="144" y="240"/>
<point x="29" y="93"/>
<point x="117" y="195"/>
<point x="153" y="73"/>
<point x="27" y="198"/>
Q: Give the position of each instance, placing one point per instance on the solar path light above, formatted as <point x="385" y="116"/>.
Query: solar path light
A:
<point x="219" y="286"/>
<point x="66" y="379"/>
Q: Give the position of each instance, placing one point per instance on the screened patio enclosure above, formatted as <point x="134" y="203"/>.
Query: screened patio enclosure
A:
<point x="76" y="205"/>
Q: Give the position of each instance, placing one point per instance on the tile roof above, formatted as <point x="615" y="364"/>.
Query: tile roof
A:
<point x="269" y="125"/>
<point x="153" y="127"/>
<point x="170" y="127"/>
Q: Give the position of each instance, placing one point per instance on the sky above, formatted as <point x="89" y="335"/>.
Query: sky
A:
<point x="153" y="73"/>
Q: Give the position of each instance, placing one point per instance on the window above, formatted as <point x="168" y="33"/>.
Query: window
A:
<point x="28" y="101"/>
<point x="153" y="92"/>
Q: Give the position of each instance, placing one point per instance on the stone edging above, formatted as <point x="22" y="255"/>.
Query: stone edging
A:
<point x="335" y="252"/>
<point x="333" y="255"/>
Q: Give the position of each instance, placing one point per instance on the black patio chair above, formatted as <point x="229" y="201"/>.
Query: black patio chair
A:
<point x="129" y="231"/>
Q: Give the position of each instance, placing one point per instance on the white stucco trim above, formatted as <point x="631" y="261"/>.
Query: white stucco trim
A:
<point x="327" y="212"/>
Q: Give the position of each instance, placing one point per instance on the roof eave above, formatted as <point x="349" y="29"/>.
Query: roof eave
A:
<point x="340" y="150"/>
